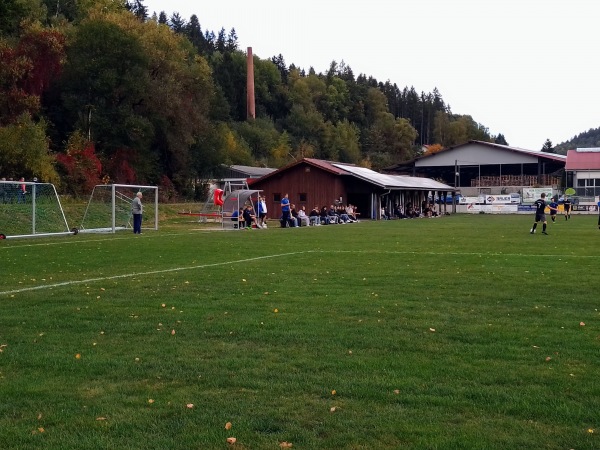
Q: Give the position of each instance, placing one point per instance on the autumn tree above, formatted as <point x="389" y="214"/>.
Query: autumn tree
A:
<point x="24" y="151"/>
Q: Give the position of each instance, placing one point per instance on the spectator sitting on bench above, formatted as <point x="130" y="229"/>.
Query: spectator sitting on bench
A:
<point x="351" y="211"/>
<point x="384" y="215"/>
<point x="302" y="217"/>
<point x="314" y="216"/>
<point x="294" y="216"/>
<point x="324" y="216"/>
<point x="238" y="218"/>
<point x="332" y="214"/>
<point x="343" y="217"/>
<point x="249" y="218"/>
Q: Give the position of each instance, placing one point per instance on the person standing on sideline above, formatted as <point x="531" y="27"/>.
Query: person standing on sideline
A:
<point x="599" y="215"/>
<point x="136" y="210"/>
<point x="285" y="210"/>
<point x="553" y="209"/>
<point x="262" y="212"/>
<point x="540" y="214"/>
<point x="567" y="207"/>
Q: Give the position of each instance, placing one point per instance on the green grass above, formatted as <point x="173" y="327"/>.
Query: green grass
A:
<point x="433" y="333"/>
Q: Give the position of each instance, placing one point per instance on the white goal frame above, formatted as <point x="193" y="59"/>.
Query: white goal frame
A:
<point x="114" y="189"/>
<point x="13" y="197"/>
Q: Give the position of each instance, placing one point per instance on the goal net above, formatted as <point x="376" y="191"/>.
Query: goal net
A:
<point x="30" y="209"/>
<point x="109" y="208"/>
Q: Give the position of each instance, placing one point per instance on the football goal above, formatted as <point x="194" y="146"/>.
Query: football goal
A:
<point x="109" y="208"/>
<point x="29" y="209"/>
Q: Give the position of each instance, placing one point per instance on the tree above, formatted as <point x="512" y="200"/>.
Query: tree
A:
<point x="82" y="170"/>
<point x="229" y="72"/>
<point x="268" y="89"/>
<point x="346" y="142"/>
<point x="193" y="32"/>
<point x="547" y="148"/>
<point x="432" y="149"/>
<point x="177" y="23"/>
<point x="232" y="44"/>
<point x="138" y="9"/>
<point x="28" y="70"/>
<point x="500" y="139"/>
<point x="105" y="81"/>
<point x="24" y="150"/>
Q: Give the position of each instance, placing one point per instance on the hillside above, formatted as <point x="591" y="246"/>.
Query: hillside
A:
<point x="590" y="138"/>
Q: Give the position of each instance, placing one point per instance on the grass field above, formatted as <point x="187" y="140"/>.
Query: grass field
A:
<point x="463" y="332"/>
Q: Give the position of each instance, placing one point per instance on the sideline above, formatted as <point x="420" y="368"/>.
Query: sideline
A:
<point x="152" y="272"/>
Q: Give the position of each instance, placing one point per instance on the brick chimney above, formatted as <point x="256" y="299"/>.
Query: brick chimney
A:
<point x="250" y="102"/>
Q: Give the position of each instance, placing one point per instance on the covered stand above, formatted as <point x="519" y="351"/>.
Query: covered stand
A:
<point x="234" y="201"/>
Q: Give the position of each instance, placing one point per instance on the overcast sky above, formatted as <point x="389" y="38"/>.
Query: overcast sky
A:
<point x="525" y="68"/>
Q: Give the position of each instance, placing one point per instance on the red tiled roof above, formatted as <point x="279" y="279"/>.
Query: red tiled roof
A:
<point x="578" y="160"/>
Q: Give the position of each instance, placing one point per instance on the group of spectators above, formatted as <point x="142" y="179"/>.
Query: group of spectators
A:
<point x="12" y="191"/>
<point x="254" y="216"/>
<point x="251" y="216"/>
<point x="410" y="212"/>
<point x="340" y="214"/>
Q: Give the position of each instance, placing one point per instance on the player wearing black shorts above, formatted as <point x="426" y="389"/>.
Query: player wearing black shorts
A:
<point x="567" y="207"/>
<point x="540" y="214"/>
<point x="553" y="209"/>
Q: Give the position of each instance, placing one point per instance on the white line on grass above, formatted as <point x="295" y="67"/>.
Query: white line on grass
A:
<point x="139" y="274"/>
<point x="258" y="258"/>
<point x="393" y="252"/>
<point x="108" y="238"/>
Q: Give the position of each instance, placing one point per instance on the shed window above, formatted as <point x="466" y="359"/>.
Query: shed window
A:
<point x="302" y="196"/>
<point x="277" y="197"/>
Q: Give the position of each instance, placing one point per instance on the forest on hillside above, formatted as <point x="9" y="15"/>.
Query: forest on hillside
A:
<point x="587" y="139"/>
<point x="98" y="91"/>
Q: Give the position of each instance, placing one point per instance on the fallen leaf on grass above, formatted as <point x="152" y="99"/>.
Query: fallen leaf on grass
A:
<point x="548" y="358"/>
<point x="172" y="332"/>
<point x="590" y="430"/>
<point x="228" y="426"/>
<point x="432" y="329"/>
<point x="333" y="409"/>
<point x="285" y="444"/>
<point x="189" y="405"/>
<point x="100" y="418"/>
<point x="150" y="400"/>
<point x="78" y="356"/>
<point x="396" y="391"/>
<point x="582" y="324"/>
<point x="333" y="392"/>
<point x="231" y="440"/>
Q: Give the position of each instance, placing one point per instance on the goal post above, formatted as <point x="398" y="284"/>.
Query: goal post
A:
<point x="29" y="209"/>
<point x="109" y="208"/>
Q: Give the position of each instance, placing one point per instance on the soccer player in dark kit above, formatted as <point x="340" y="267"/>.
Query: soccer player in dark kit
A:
<point x="540" y="215"/>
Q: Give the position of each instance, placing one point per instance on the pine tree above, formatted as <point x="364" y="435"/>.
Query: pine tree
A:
<point x="547" y="148"/>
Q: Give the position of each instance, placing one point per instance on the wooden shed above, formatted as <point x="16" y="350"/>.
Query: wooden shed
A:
<point x="313" y="182"/>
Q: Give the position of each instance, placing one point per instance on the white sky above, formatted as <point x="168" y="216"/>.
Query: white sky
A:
<point x="525" y="68"/>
